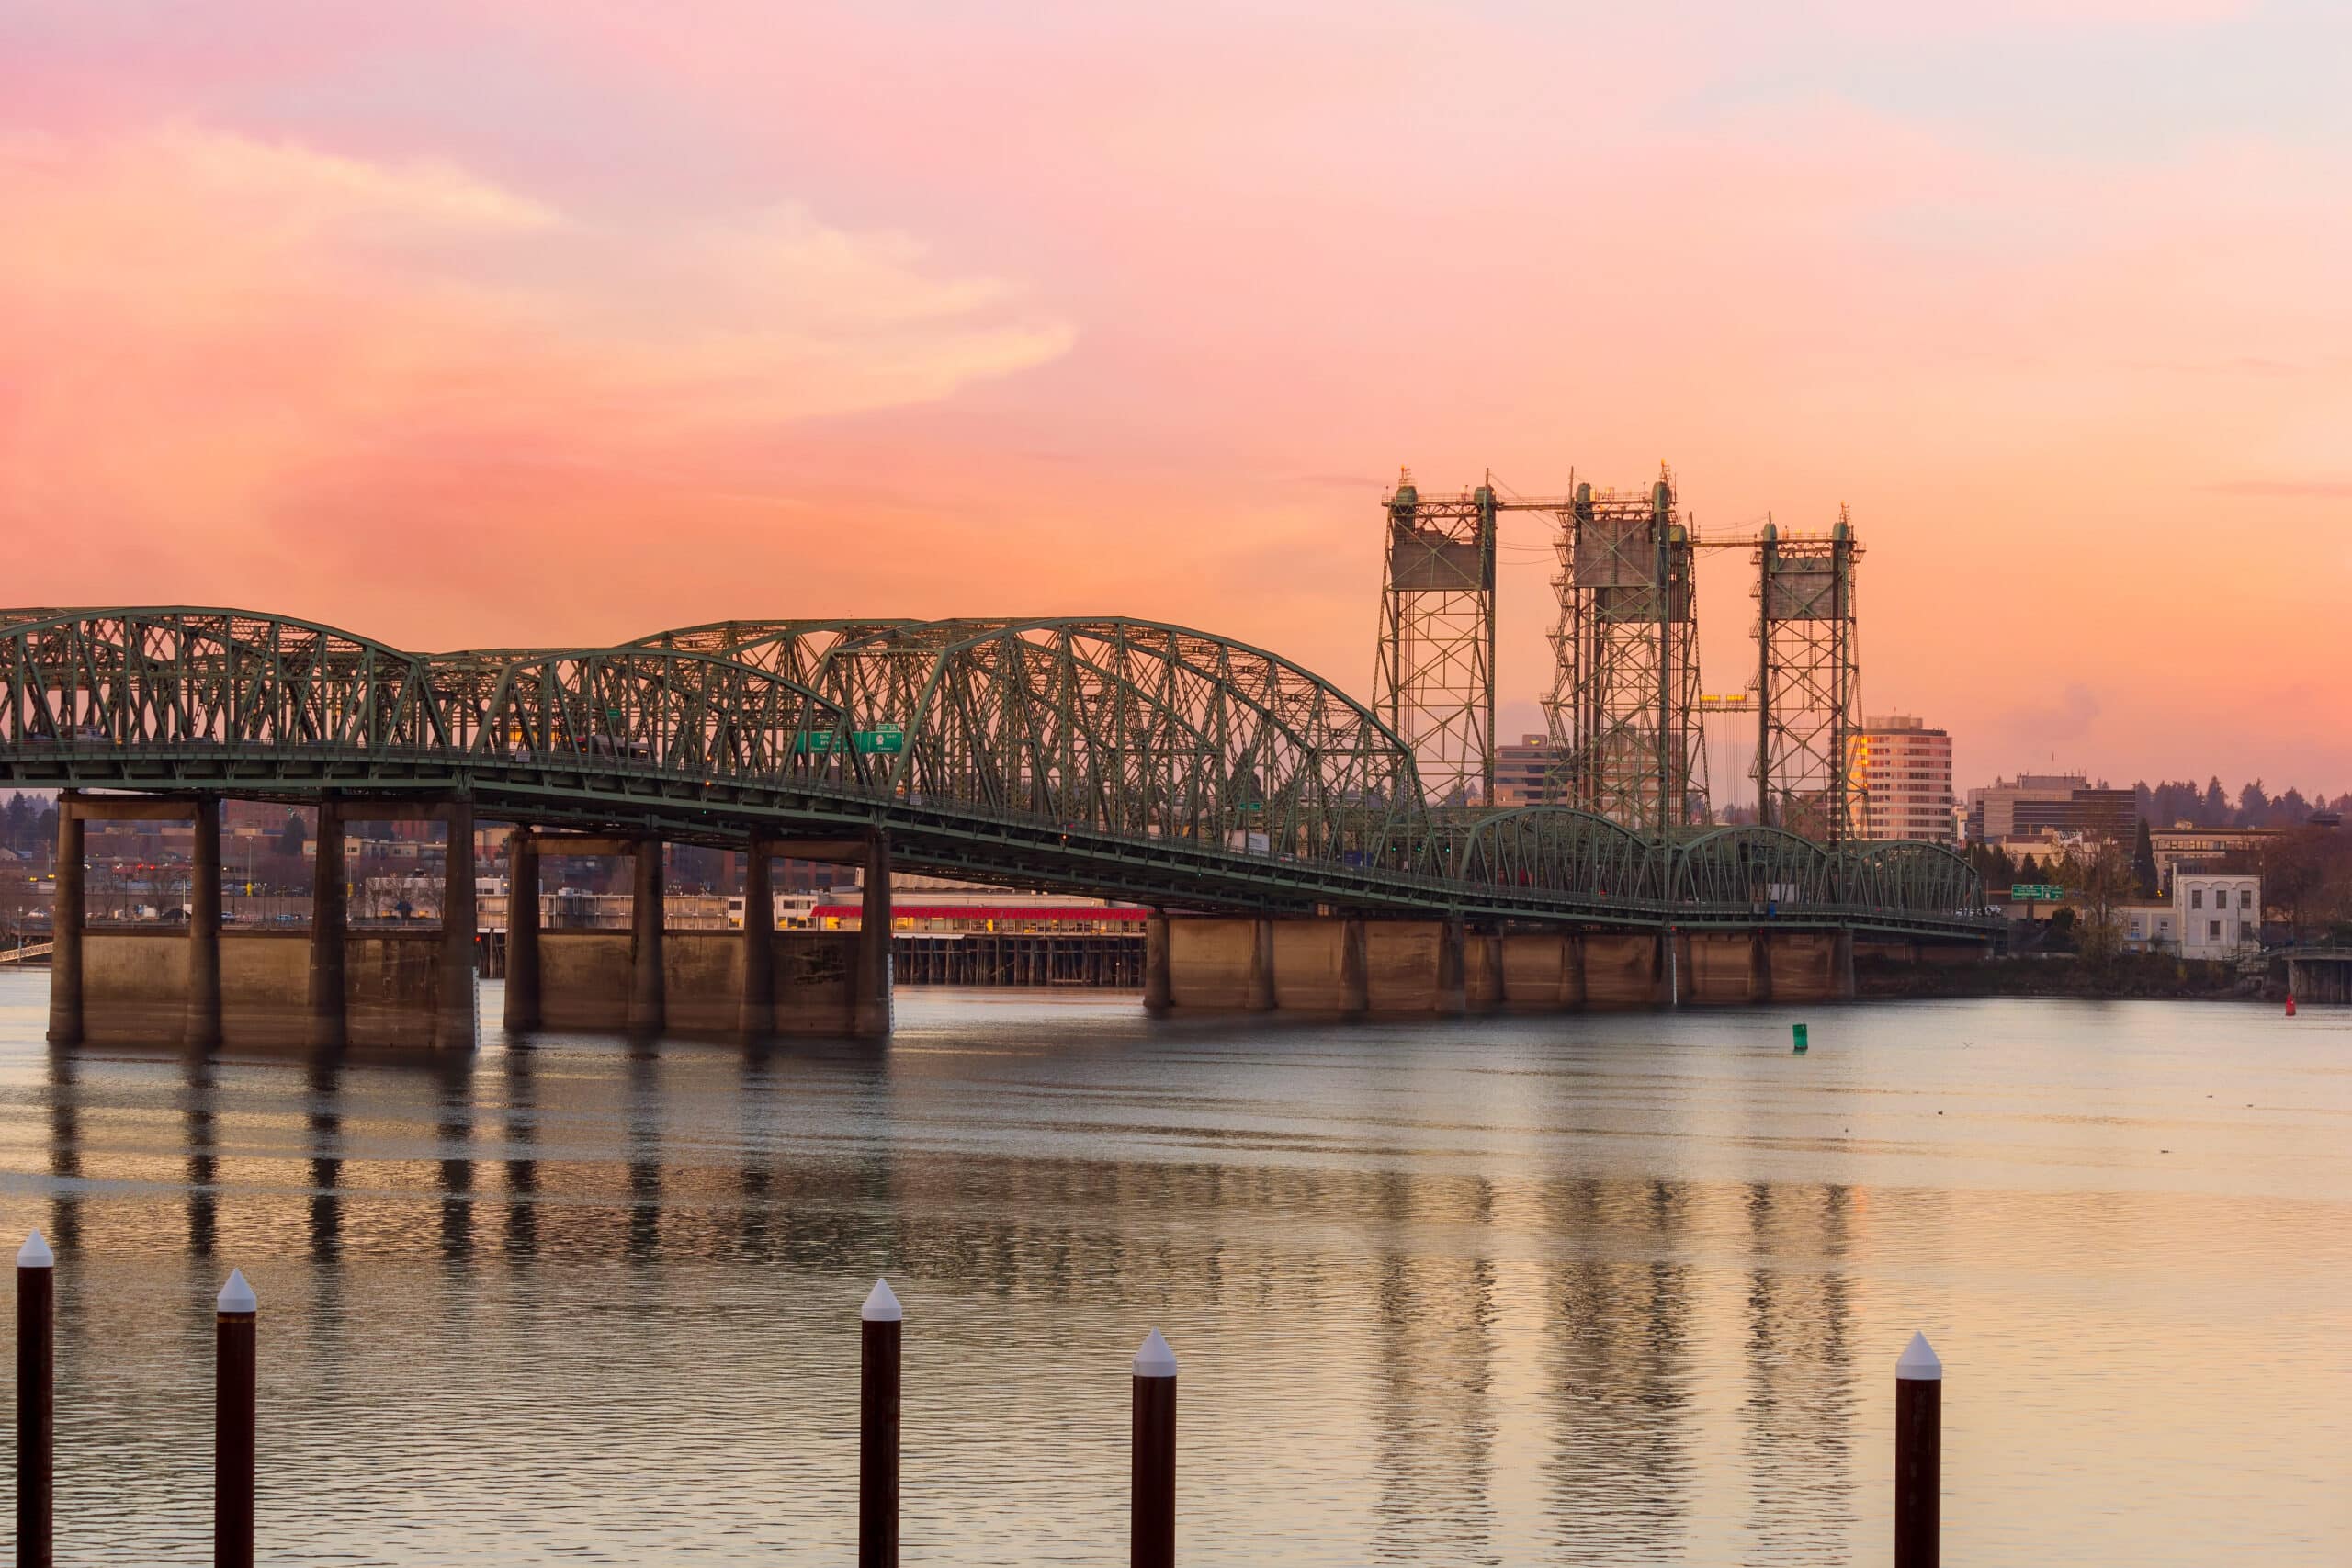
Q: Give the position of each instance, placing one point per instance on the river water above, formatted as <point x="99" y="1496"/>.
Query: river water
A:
<point x="1607" y="1289"/>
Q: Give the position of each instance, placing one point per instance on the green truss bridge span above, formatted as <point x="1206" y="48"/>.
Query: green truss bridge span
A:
<point x="1121" y="758"/>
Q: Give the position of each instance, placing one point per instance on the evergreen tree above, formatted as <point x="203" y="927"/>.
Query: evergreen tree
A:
<point x="2144" y="861"/>
<point x="2213" y="810"/>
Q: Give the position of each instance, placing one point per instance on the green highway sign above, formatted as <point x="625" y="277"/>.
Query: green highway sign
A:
<point x="883" y="740"/>
<point x="2032" y="891"/>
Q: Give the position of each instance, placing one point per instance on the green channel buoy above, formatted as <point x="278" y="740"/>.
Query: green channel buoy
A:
<point x="1798" y="1029"/>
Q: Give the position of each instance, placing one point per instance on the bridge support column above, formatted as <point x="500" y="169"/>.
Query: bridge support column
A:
<point x="1572" y="973"/>
<point x="70" y="914"/>
<point x="1488" y="991"/>
<point x="1760" y="966"/>
<point x="202" y="1029"/>
<point x="1452" y="990"/>
<point x="1355" y="977"/>
<point x="1159" y="977"/>
<point x="455" y="1019"/>
<point x="1841" y="965"/>
<point x="329" y="1023"/>
<point x="1666" y="969"/>
<point x="874" y="1000"/>
<point x="524" y="999"/>
<point x="1261" y="966"/>
<point x="756" y="1019"/>
<point x="648" y="992"/>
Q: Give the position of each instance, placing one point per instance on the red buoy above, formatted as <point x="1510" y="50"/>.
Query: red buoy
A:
<point x="2290" y="1004"/>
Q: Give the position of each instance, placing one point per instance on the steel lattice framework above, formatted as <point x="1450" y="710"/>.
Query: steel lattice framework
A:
<point x="1126" y="758"/>
<point x="1808" y="680"/>
<point x="1435" y="680"/>
<point x="1623" y="711"/>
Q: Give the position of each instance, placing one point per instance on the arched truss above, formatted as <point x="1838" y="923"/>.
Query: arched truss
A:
<point x="171" y="677"/>
<point x="1753" y="868"/>
<point x="661" y="710"/>
<point x="1552" y="849"/>
<point x="1134" y="728"/>
<point x="793" y="650"/>
<point x="1914" y="878"/>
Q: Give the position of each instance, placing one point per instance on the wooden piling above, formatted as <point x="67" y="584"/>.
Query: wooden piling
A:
<point x="233" y="1421"/>
<point x="880" y="1323"/>
<point x="1919" y="1456"/>
<point x="1152" y="1481"/>
<point x="35" y="1402"/>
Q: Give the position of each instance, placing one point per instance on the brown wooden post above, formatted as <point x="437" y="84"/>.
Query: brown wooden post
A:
<point x="200" y="1031"/>
<point x="880" y="1323"/>
<point x="1152" y="1464"/>
<point x="330" y="934"/>
<point x="35" y="1402"/>
<point x="234" y="1420"/>
<point x="1919" y="1456"/>
<point x="69" y="917"/>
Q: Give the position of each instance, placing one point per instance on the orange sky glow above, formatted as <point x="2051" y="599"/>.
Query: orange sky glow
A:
<point x="567" y="322"/>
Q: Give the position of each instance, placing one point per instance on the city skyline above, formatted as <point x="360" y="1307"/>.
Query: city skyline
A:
<point x="558" y="329"/>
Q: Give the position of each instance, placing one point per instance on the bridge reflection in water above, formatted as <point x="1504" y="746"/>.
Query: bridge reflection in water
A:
<point x="1128" y="758"/>
<point x="1619" y="1289"/>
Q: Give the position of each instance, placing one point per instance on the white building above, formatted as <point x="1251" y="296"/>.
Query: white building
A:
<point x="1902" y="772"/>
<point x="2219" y="912"/>
<point x="2148" y="926"/>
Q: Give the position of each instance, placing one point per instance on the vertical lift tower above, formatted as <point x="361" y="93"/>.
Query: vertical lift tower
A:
<point x="1807" y="682"/>
<point x="1435" y="685"/>
<point x="1624" y="713"/>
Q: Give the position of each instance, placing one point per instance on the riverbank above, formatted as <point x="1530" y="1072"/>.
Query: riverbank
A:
<point x="2139" y="975"/>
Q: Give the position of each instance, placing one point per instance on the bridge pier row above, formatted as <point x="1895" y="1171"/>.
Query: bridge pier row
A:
<point x="68" y="917"/>
<point x="524" y="990"/>
<point x="330" y="1020"/>
<point x="1483" y="978"/>
<point x="648" y="1002"/>
<point x="201" y="988"/>
<point x="1843" y="974"/>
<point x="755" y="1017"/>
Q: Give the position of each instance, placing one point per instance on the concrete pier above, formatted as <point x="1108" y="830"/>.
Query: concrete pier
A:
<point x="456" y="1027"/>
<point x="874" y="1009"/>
<point x="1439" y="968"/>
<point x="69" y="917"/>
<point x="523" y="985"/>
<point x="328" y="977"/>
<point x="200" y="1031"/>
<point x="648" y="989"/>
<point x="755" y="1010"/>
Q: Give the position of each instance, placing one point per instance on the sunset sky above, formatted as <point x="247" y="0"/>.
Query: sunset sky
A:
<point x="564" y="321"/>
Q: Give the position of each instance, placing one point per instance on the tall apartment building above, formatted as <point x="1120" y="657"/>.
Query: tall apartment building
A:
<point x="2061" y="803"/>
<point x="1902" y="771"/>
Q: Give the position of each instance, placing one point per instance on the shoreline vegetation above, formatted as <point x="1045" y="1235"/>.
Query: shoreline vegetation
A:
<point x="2151" y="976"/>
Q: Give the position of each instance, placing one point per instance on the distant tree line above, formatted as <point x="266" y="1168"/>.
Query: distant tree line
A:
<point x="29" y="825"/>
<point x="2212" y="806"/>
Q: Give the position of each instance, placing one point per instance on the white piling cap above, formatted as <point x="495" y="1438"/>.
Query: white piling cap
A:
<point x="881" y="1306"/>
<point x="236" y="1295"/>
<point x="1155" y="1360"/>
<point x="35" y="1253"/>
<point x="1918" y="1363"/>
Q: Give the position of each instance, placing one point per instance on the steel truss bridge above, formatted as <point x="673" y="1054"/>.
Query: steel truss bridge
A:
<point x="1124" y="759"/>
